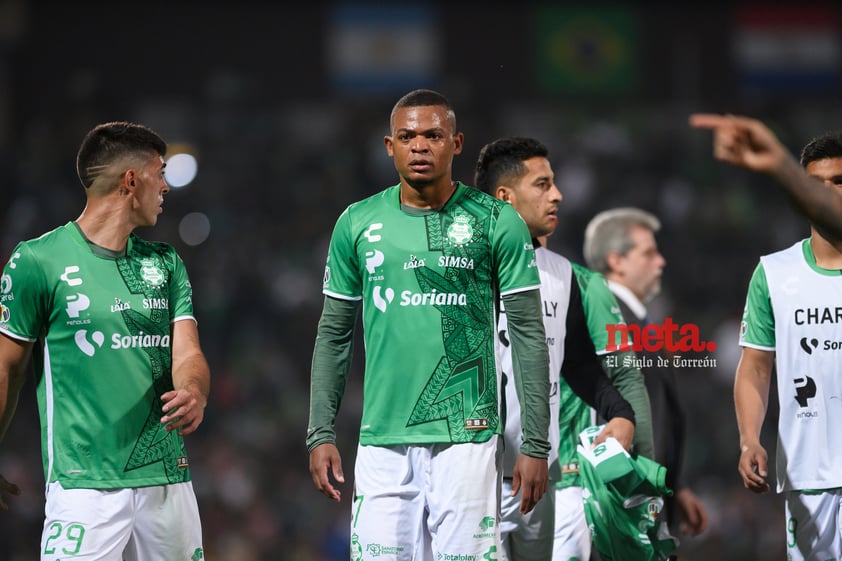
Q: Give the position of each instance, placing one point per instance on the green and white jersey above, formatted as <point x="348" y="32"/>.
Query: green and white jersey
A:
<point x="556" y="276"/>
<point x="601" y="309"/>
<point x="103" y="355"/>
<point x="623" y="501"/>
<point x="794" y="308"/>
<point x="428" y="282"/>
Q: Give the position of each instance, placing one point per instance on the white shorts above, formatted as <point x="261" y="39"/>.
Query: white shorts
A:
<point x="136" y="524"/>
<point x="426" y="502"/>
<point x="572" y="540"/>
<point x="526" y="537"/>
<point x="813" y="529"/>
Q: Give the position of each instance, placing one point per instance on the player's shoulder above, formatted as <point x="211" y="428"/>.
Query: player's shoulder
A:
<point x="548" y="256"/>
<point x="791" y="254"/>
<point x="494" y="205"/>
<point x="48" y="240"/>
<point x="374" y="200"/>
<point x="587" y="276"/>
<point x="143" y="249"/>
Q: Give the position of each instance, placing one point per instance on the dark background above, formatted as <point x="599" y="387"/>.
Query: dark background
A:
<point x="286" y="136"/>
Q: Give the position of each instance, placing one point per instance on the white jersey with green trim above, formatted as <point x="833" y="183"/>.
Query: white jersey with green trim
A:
<point x="428" y="282"/>
<point x="794" y="308"/>
<point x="103" y="356"/>
<point x="556" y="276"/>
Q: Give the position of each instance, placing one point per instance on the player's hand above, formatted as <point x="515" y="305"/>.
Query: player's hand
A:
<point x="620" y="428"/>
<point x="694" y="517"/>
<point x="531" y="477"/>
<point x="743" y="141"/>
<point x="183" y="409"/>
<point x="324" y="462"/>
<point x="753" y="467"/>
<point x="7" y="488"/>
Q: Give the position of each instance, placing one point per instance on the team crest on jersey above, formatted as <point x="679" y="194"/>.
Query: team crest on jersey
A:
<point x="460" y="231"/>
<point x="152" y="272"/>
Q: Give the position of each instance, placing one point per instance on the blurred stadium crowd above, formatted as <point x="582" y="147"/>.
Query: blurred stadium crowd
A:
<point x="286" y="137"/>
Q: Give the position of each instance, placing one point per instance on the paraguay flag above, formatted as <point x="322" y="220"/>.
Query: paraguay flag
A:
<point x="787" y="49"/>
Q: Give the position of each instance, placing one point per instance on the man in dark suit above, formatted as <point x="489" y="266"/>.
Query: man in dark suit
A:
<point x="620" y="244"/>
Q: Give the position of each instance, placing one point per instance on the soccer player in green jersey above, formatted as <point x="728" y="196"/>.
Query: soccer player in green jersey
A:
<point x="427" y="260"/>
<point x="746" y="142"/>
<point x="120" y="374"/>
<point x="575" y="311"/>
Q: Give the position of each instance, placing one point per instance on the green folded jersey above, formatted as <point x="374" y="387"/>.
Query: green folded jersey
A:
<point x="623" y="498"/>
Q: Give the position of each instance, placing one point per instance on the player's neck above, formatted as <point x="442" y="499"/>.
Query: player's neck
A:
<point x="828" y="254"/>
<point x="105" y="225"/>
<point x="431" y="196"/>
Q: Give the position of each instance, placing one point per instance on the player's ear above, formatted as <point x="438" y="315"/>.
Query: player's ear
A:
<point x="613" y="259"/>
<point x="504" y="193"/>
<point x="128" y="181"/>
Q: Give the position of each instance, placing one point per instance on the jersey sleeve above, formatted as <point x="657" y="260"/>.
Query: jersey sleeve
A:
<point x="515" y="255"/>
<point x="601" y="308"/>
<point x="181" y="291"/>
<point x="757" y="329"/>
<point x="24" y="298"/>
<point x="342" y="278"/>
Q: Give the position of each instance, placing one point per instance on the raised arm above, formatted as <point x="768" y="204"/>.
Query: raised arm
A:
<point x="746" y="142"/>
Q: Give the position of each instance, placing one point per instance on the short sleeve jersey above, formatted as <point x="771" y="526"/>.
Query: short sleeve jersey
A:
<point x="103" y="358"/>
<point x="794" y="308"/>
<point x="601" y="309"/>
<point x="428" y="284"/>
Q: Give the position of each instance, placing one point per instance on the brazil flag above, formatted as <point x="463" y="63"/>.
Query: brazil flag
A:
<point x="586" y="50"/>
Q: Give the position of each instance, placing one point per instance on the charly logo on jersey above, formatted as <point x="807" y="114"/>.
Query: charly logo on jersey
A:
<point x="86" y="344"/>
<point x="71" y="280"/>
<point x="460" y="230"/>
<point x="152" y="272"/>
<point x="369" y="232"/>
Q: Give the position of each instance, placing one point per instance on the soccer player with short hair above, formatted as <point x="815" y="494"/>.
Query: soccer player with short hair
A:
<point x="576" y="307"/>
<point x="791" y="323"/>
<point x="426" y="260"/>
<point x="121" y="377"/>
